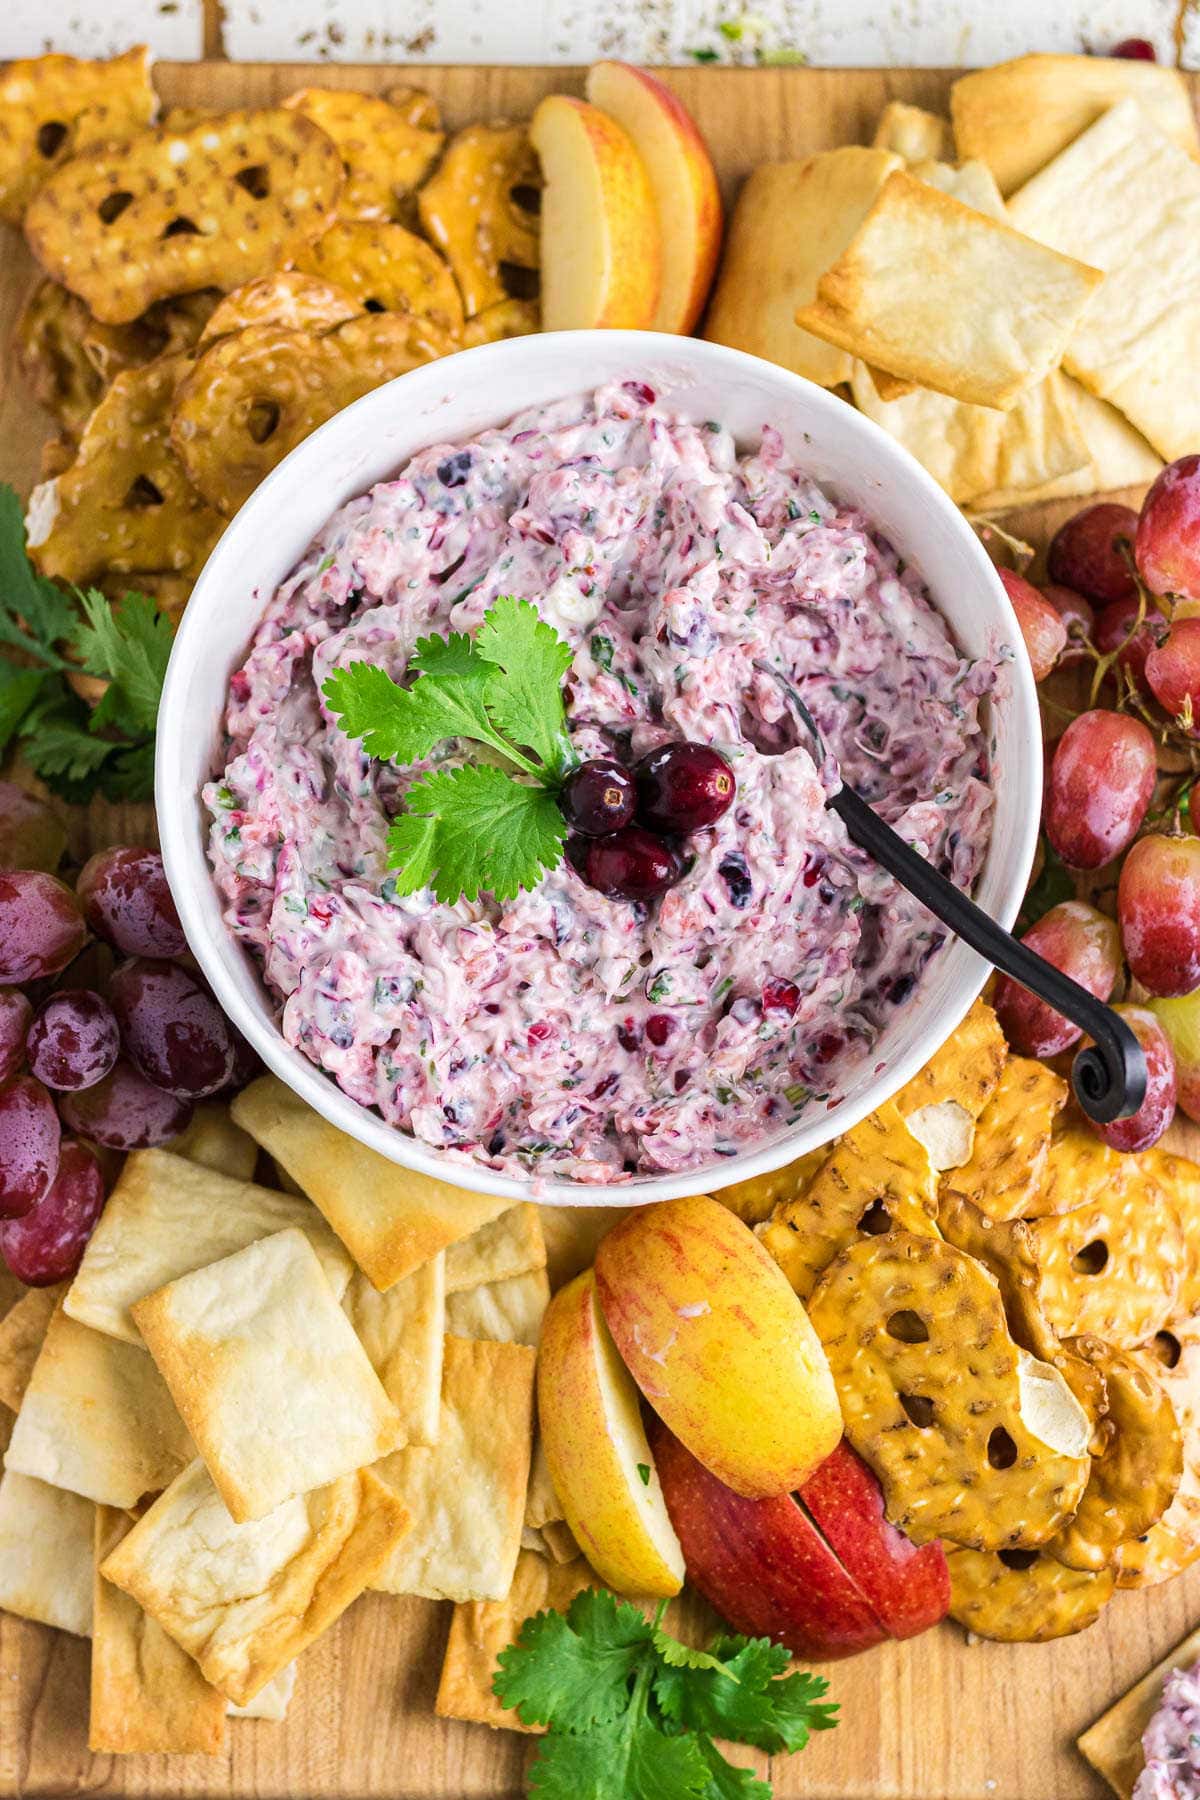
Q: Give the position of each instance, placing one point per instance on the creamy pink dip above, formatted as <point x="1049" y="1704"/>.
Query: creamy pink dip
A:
<point x="1171" y="1742"/>
<point x="565" y="1033"/>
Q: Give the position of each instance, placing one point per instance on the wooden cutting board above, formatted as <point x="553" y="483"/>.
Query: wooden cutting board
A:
<point x="936" y="1719"/>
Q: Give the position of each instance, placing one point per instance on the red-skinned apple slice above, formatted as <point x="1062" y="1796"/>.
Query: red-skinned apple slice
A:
<point x="762" y="1564"/>
<point x="906" y="1586"/>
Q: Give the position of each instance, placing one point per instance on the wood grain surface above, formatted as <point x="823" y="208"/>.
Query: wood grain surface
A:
<point x="935" y="1719"/>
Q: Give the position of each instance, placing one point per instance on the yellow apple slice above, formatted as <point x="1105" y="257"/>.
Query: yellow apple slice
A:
<point x="682" y="180"/>
<point x="601" y="251"/>
<point x="596" y="1449"/>
<point x="710" y="1329"/>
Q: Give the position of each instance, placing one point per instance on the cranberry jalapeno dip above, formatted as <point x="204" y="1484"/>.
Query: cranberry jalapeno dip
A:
<point x="567" y="1033"/>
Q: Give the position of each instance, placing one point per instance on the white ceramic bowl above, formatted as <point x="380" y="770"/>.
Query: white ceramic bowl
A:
<point x="452" y="400"/>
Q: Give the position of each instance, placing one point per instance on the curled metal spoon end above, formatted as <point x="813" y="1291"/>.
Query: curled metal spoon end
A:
<point x="1110" y="1079"/>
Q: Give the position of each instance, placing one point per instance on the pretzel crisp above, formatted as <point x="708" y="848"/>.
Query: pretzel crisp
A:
<point x="54" y="107"/>
<point x="167" y="212"/>
<point x="506" y="319"/>
<point x="255" y="394"/>
<point x="386" y="155"/>
<point x="476" y="209"/>
<point x="1005" y="1250"/>
<point x="1113" y="1268"/>
<point x="287" y="298"/>
<point x="125" y="503"/>
<point x="1024" y="1596"/>
<point x="877" y="1177"/>
<point x="1173" y="1543"/>
<point x="386" y="268"/>
<point x="163" y="329"/>
<point x="971" y="1438"/>
<point x="48" y="343"/>
<point x="1012" y="1140"/>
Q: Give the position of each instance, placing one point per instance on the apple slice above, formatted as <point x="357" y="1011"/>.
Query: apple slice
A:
<point x="763" y="1564"/>
<point x="711" y="1331"/>
<point x="601" y="247"/>
<point x="908" y="1588"/>
<point x="682" y="179"/>
<point x="596" y="1449"/>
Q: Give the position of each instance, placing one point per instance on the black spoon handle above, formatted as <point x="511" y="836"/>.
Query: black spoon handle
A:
<point x="1109" y="1078"/>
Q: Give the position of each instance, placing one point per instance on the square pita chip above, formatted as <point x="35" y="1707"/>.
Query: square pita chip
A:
<point x="791" y="221"/>
<point x="215" y="1142"/>
<point x="480" y="1630"/>
<point x="402" y="1333"/>
<point x="466" y="1494"/>
<point x="912" y="133"/>
<point x="506" y="1312"/>
<point x="268" y="1375"/>
<point x="390" y="1218"/>
<point x="244" y="1600"/>
<point x="45" y="1554"/>
<point x="934" y="291"/>
<point x="1126" y="198"/>
<point x="167" y="1216"/>
<point x="97" y="1418"/>
<point x="510" y="1245"/>
<point x="22" y="1334"/>
<point x="571" y="1234"/>
<point x="148" y="1696"/>
<point x="270" y="1702"/>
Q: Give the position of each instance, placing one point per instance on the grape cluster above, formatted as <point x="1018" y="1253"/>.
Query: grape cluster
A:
<point x="119" y="1069"/>
<point x="627" y="822"/>
<point x="1123" y="598"/>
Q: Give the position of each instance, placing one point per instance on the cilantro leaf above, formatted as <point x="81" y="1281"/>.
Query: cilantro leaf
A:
<point x="19" y="688"/>
<point x="747" y="1697"/>
<point x="525" y="700"/>
<point x="128" y="644"/>
<point x="726" y="1780"/>
<point x="625" y="1759"/>
<point x="34" y="613"/>
<point x="455" y="655"/>
<point x="574" y="1671"/>
<point x="682" y="1656"/>
<point x="128" y="774"/>
<point x="404" y="725"/>
<point x="464" y="831"/>
<point x="58" y="743"/>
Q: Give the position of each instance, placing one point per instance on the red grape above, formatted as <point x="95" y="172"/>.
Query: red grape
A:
<point x="1085" y="555"/>
<point x="1158" y="904"/>
<point x="1079" y="617"/>
<point x="1173" y="672"/>
<point x="41" y="926"/>
<point x="172" y="1028"/>
<point x="48" y="1242"/>
<point x="246" y="1061"/>
<point x="15" y="1014"/>
<point x="1135" y="50"/>
<point x="29" y="1140"/>
<point x="1101" y="780"/>
<point x="1044" y="632"/>
<point x="127" y="902"/>
<point x="73" y="1041"/>
<point x="125" y="1111"/>
<point x="1084" y="945"/>
<point x="1114" y="626"/>
<point x="32" y="836"/>
<point x="1158" y="1108"/>
<point x="1168" y="533"/>
<point x="683" y="787"/>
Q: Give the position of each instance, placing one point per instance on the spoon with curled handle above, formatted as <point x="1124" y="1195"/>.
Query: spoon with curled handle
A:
<point x="1109" y="1076"/>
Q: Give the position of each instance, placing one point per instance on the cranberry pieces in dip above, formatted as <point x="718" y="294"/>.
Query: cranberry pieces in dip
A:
<point x="567" y="1033"/>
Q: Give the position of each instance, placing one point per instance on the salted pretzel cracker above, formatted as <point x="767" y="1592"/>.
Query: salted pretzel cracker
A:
<point x="288" y="299"/>
<point x="387" y="268"/>
<point x="1172" y="1544"/>
<point x="54" y="107"/>
<point x="1012" y="1140"/>
<point x="1024" y="1596"/>
<point x="478" y="208"/>
<point x="386" y="155"/>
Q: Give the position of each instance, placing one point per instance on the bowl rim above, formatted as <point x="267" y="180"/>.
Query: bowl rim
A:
<point x="183" y="847"/>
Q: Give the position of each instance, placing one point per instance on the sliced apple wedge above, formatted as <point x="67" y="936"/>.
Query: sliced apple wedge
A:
<point x="601" y="246"/>
<point x="682" y="179"/>
<point x="708" y="1326"/>
<point x="596" y="1449"/>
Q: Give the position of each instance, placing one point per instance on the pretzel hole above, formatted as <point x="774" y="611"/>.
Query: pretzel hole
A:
<point x="876" y="1220"/>
<point x="256" y="179"/>
<point x="528" y="199"/>
<point x="1166" y="1348"/>
<point x="1001" y="1451"/>
<point x="1091" y="1259"/>
<point x="919" y="1408"/>
<point x="375" y="306"/>
<point x="1019" y="1559"/>
<point x="908" y="1327"/>
<point x="181" y="227"/>
<point x="262" y="420"/>
<point x="113" y="205"/>
<point x="143" y="493"/>
<point x="51" y="137"/>
<point x="519" y="283"/>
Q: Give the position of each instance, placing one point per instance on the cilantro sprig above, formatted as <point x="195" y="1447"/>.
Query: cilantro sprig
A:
<point x="492" y="825"/>
<point x="78" y="750"/>
<point x="632" y="1713"/>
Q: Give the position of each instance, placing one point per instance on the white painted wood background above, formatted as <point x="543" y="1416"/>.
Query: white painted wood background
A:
<point x="832" y="32"/>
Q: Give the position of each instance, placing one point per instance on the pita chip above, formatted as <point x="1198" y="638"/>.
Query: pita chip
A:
<point x="541" y="1501"/>
<point x="466" y="1494"/>
<point x="936" y="292"/>
<point x="912" y="133"/>
<point x="270" y="1702"/>
<point x="268" y="1375"/>
<point x="1017" y="116"/>
<point x="1113" y="1745"/>
<point x="507" y="1312"/>
<point x="402" y="1332"/>
<point x="391" y="1219"/>
<point x="560" y="1541"/>
<point x="215" y="1142"/>
<point x="148" y="1696"/>
<point x="571" y="1234"/>
<point x="22" y="1334"/>
<point x="791" y="221"/>
<point x="1126" y="198"/>
<point x="244" y="1600"/>
<point x="45" y="1553"/>
<point x="480" y="1630"/>
<point x="97" y="1418"/>
<point x="1121" y="456"/>
<point x="167" y="1216"/>
<point x="510" y="1245"/>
